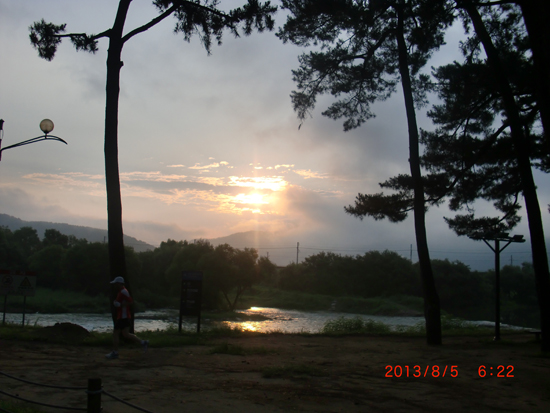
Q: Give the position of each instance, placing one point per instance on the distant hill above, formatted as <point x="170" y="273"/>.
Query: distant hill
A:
<point x="279" y="248"/>
<point x="249" y="239"/>
<point x="91" y="234"/>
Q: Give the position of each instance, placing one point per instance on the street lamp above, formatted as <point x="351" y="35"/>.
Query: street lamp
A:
<point x="46" y="126"/>
<point x="497" y="237"/>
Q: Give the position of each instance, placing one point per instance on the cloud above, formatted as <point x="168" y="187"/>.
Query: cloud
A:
<point x="27" y="206"/>
<point x="274" y="183"/>
<point x="212" y="165"/>
<point x="309" y="174"/>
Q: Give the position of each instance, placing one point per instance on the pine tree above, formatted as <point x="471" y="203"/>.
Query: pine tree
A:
<point x="520" y="138"/>
<point x="487" y="137"/>
<point x="366" y="49"/>
<point x="197" y="17"/>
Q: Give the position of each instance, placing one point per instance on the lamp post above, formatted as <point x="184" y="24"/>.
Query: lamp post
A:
<point x="497" y="249"/>
<point x="46" y="126"/>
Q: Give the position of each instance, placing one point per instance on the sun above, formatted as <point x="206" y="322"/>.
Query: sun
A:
<point x="254" y="198"/>
<point x="258" y="196"/>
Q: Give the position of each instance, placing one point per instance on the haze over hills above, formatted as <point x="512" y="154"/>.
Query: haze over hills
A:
<point x="91" y="234"/>
<point x="250" y="239"/>
<point x="280" y="250"/>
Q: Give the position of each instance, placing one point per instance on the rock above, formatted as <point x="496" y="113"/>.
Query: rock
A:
<point x="63" y="332"/>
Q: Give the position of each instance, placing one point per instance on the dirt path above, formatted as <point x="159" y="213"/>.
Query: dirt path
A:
<point x="319" y="374"/>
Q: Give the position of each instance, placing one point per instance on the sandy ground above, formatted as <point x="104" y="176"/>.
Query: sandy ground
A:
<point x="321" y="374"/>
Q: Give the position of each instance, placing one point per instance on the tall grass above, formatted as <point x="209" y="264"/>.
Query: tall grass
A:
<point x="450" y="325"/>
<point x="354" y="325"/>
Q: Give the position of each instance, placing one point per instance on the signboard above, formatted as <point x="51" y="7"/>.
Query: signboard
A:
<point x="17" y="283"/>
<point x="191" y="296"/>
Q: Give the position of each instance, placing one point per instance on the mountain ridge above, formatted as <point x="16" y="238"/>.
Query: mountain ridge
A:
<point x="88" y="233"/>
<point x="280" y="249"/>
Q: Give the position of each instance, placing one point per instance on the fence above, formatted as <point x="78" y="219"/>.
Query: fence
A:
<point x="93" y="393"/>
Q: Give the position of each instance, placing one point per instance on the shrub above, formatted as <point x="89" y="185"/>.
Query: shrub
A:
<point x="355" y="325"/>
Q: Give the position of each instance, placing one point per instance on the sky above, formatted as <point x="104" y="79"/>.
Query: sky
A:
<point x="209" y="145"/>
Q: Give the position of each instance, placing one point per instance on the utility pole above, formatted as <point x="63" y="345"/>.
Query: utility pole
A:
<point x="297" y="252"/>
<point x="497" y="237"/>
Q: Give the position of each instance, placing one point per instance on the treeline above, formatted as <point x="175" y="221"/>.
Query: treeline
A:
<point x="67" y="263"/>
<point x="463" y="293"/>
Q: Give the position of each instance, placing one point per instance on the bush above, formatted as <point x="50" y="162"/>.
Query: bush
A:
<point x="355" y="325"/>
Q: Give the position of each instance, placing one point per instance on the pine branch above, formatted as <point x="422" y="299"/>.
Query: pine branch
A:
<point x="147" y="26"/>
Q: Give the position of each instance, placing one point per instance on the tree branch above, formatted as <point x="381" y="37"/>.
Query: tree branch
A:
<point x="147" y="26"/>
<point x="496" y="3"/>
<point x="106" y="33"/>
<point x="200" y="6"/>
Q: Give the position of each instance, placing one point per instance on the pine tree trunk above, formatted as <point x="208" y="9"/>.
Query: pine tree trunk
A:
<point x="117" y="259"/>
<point x="536" y="14"/>
<point x="521" y="146"/>
<point x="432" y="312"/>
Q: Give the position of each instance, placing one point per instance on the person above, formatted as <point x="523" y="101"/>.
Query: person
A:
<point x="122" y="302"/>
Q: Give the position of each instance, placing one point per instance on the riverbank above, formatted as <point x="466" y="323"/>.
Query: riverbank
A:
<point x="59" y="301"/>
<point x="288" y="372"/>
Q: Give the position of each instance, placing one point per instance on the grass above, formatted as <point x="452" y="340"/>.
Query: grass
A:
<point x="450" y="326"/>
<point x="261" y="296"/>
<point x="237" y="350"/>
<point x="17" y="407"/>
<point x="59" y="301"/>
<point x="355" y="325"/>
<point x="269" y="297"/>
<point x="171" y="337"/>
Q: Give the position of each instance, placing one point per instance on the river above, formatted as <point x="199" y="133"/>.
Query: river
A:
<point x="287" y="321"/>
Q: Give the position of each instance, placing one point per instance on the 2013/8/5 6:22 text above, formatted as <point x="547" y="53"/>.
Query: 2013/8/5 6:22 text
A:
<point x="419" y="371"/>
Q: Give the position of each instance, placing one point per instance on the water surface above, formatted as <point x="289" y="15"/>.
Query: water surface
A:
<point x="287" y="321"/>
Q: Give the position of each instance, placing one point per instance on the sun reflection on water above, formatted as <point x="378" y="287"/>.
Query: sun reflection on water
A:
<point x="249" y="326"/>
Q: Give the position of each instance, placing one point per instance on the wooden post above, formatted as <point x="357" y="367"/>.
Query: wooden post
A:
<point x="5" y="305"/>
<point x="24" y="308"/>
<point x="94" y="395"/>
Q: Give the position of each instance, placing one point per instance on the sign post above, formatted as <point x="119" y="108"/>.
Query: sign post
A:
<point x="17" y="283"/>
<point x="191" y="296"/>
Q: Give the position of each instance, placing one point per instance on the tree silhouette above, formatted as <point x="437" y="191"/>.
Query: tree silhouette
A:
<point x="198" y="17"/>
<point x="366" y="49"/>
<point x="520" y="139"/>
<point x="485" y="142"/>
<point x="536" y="15"/>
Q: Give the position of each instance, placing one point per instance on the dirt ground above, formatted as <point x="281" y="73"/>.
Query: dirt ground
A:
<point x="317" y="374"/>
